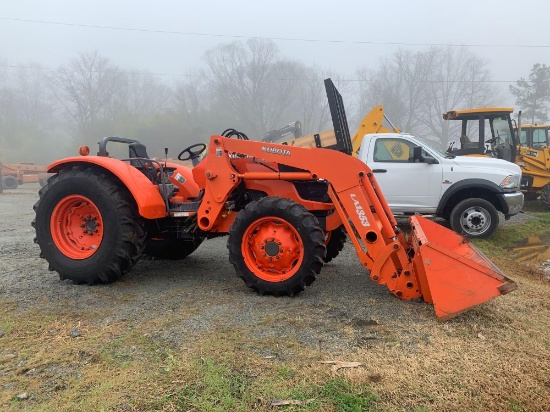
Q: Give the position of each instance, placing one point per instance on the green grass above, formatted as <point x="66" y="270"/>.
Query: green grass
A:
<point x="222" y="385"/>
<point x="346" y="398"/>
<point x="506" y="236"/>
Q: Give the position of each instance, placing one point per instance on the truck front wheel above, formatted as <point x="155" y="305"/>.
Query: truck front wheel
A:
<point x="474" y="218"/>
<point x="276" y="246"/>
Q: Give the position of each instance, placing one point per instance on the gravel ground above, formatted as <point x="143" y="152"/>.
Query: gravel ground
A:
<point x="338" y="312"/>
<point x="494" y="357"/>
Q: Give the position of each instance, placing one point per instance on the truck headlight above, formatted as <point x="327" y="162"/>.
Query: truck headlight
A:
<point x="511" y="182"/>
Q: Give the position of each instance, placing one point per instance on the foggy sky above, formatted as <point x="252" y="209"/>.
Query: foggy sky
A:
<point x="424" y="21"/>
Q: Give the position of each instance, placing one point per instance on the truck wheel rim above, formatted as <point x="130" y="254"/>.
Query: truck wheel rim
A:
<point x="272" y="249"/>
<point x="76" y="227"/>
<point x="475" y="220"/>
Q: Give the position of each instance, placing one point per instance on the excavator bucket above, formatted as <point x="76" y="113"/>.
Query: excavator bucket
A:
<point x="451" y="272"/>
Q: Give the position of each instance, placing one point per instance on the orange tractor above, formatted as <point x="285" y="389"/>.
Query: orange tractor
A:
<point x="286" y="210"/>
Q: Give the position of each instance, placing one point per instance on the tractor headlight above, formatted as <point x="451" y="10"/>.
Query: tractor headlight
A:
<point x="511" y="182"/>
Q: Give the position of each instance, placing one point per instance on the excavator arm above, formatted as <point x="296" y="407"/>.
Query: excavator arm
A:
<point x="371" y="123"/>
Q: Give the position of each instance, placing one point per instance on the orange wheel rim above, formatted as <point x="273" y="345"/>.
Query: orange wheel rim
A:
<point x="76" y="227"/>
<point x="272" y="249"/>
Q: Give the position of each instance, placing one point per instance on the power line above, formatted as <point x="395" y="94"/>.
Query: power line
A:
<point x="235" y="36"/>
<point x="203" y="76"/>
<point x="16" y="66"/>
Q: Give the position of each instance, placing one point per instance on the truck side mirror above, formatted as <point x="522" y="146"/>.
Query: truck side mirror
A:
<point x="417" y="154"/>
<point x="418" y="158"/>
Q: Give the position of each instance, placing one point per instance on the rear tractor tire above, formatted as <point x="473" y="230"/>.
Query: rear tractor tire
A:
<point x="276" y="246"/>
<point x="474" y="218"/>
<point x="9" y="182"/>
<point x="545" y="195"/>
<point x="87" y="226"/>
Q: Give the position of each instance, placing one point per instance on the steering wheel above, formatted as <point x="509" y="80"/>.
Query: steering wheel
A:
<point x="192" y="154"/>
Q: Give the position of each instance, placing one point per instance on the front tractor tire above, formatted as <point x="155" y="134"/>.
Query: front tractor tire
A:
<point x="334" y="241"/>
<point x="87" y="226"/>
<point x="474" y="218"/>
<point x="276" y="246"/>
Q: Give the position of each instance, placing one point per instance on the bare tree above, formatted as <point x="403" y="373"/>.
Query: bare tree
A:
<point x="253" y="83"/>
<point x="141" y="94"/>
<point x="458" y="81"/>
<point x="313" y="106"/>
<point x="89" y="89"/>
<point x="28" y="116"/>
<point x="36" y="109"/>
<point x="417" y="88"/>
<point x="191" y="96"/>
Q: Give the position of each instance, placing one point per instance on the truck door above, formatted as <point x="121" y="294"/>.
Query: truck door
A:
<point x="406" y="185"/>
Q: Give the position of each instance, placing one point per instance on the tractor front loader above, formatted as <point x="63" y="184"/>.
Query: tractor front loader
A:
<point x="286" y="210"/>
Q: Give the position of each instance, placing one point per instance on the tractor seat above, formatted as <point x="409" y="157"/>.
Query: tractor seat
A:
<point x="140" y="160"/>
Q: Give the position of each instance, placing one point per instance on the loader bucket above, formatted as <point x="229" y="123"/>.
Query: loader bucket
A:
<point x="451" y="272"/>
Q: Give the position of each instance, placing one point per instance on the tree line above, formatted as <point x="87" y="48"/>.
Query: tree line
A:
<point x="249" y="86"/>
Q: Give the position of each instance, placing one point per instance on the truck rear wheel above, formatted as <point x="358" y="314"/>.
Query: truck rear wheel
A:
<point x="87" y="226"/>
<point x="334" y="242"/>
<point x="545" y="195"/>
<point x="276" y="246"/>
<point x="474" y="218"/>
<point x="9" y="182"/>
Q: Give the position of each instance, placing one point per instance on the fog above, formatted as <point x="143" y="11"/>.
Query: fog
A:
<point x="348" y="40"/>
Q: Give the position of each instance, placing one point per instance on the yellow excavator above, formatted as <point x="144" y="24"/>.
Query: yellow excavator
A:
<point x="534" y="135"/>
<point x="371" y="123"/>
<point x="485" y="131"/>
<point x="533" y="157"/>
<point x="492" y="132"/>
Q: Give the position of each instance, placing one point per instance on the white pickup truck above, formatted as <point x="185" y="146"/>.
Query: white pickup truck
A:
<point x="466" y="191"/>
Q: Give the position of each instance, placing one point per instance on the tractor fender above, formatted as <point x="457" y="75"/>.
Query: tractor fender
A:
<point x="147" y="196"/>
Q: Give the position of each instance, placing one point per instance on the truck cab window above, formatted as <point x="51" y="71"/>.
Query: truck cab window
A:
<point x="393" y="150"/>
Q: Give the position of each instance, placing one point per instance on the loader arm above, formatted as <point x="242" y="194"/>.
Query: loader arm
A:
<point x="357" y="199"/>
<point x="461" y="272"/>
